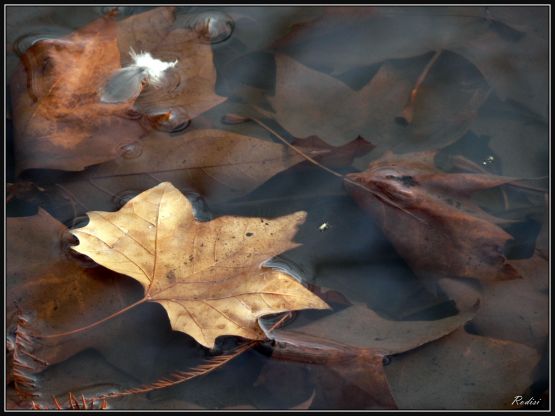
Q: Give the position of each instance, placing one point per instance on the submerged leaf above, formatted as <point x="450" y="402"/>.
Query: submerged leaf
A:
<point x="430" y="218"/>
<point x="206" y="275"/>
<point x="462" y="371"/>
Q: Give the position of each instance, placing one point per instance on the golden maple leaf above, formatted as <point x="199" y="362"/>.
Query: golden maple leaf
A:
<point x="207" y="275"/>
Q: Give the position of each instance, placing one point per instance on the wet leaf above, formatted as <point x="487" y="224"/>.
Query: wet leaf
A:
<point x="357" y="374"/>
<point x="59" y="120"/>
<point x="513" y="62"/>
<point x="462" y="371"/>
<point x="502" y="316"/>
<point x="217" y="164"/>
<point x="57" y="293"/>
<point x="190" y="85"/>
<point x="431" y="220"/>
<point x="358" y="326"/>
<point x="305" y="103"/>
<point x="207" y="276"/>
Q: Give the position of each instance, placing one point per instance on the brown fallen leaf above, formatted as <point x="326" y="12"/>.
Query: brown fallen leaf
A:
<point x="305" y="103"/>
<point x="513" y="310"/>
<point x="218" y="164"/>
<point x="57" y="292"/>
<point x="515" y="66"/>
<point x="357" y="373"/>
<point x="60" y="122"/>
<point x="462" y="371"/>
<point x="360" y="327"/>
<point x="207" y="276"/>
<point x="188" y="89"/>
<point x="430" y="219"/>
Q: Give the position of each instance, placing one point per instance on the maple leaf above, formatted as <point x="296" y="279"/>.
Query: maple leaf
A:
<point x="430" y="218"/>
<point x="206" y="275"/>
<point x="56" y="292"/>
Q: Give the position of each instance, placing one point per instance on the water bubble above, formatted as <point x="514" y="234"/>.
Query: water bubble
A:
<point x="212" y="26"/>
<point x="173" y="120"/>
<point x="132" y="150"/>
<point x="121" y="11"/>
<point x="122" y="198"/>
<point x="23" y="43"/>
<point x="68" y="240"/>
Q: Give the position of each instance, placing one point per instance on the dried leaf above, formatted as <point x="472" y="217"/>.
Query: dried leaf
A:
<point x="430" y="219"/>
<point x="206" y="275"/>
<point x="462" y="371"/>
<point x="58" y="293"/>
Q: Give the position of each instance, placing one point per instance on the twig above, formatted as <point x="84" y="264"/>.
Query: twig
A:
<point x="407" y="115"/>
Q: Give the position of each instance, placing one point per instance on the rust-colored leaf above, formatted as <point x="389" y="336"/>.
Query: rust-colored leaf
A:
<point x="61" y="120"/>
<point x="206" y="275"/>
<point x="430" y="218"/>
<point x="57" y="292"/>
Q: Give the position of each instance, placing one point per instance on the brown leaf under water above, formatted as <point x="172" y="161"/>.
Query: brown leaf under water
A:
<point x="60" y="120"/>
<point x="360" y="327"/>
<point x="57" y="293"/>
<point x="435" y="226"/>
<point x="305" y="103"/>
<point x="206" y="275"/>
<point x="516" y="66"/>
<point x="462" y="371"/>
<point x="218" y="164"/>
<point x="189" y="87"/>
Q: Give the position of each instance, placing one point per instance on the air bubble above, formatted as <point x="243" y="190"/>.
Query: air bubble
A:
<point x="121" y="11"/>
<point x="132" y="150"/>
<point x="173" y="120"/>
<point x="23" y="43"/>
<point x="122" y="198"/>
<point x="211" y="26"/>
<point x="68" y="240"/>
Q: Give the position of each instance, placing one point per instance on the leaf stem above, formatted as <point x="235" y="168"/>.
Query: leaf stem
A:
<point x="334" y="173"/>
<point x="94" y="324"/>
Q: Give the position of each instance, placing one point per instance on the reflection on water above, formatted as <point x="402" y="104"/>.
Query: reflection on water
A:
<point x="468" y="83"/>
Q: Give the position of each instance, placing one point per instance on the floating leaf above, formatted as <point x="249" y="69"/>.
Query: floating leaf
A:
<point x="206" y="275"/>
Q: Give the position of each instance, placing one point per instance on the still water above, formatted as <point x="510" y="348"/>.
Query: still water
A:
<point x="105" y="103"/>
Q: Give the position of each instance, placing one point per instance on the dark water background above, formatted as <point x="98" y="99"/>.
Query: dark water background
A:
<point x="352" y="256"/>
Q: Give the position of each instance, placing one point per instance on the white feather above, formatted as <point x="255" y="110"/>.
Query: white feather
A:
<point x="154" y="68"/>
